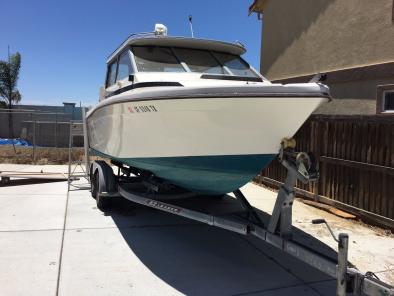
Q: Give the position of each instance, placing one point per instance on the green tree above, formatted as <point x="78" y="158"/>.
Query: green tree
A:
<point x="9" y="94"/>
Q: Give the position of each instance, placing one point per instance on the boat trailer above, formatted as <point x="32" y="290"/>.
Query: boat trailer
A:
<point x="143" y="188"/>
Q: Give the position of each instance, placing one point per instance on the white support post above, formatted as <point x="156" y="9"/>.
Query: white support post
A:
<point x="70" y="145"/>
<point x="86" y="142"/>
<point x="343" y="244"/>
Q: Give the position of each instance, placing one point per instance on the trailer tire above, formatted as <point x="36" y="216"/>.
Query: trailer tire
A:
<point x="91" y="179"/>
<point x="93" y="187"/>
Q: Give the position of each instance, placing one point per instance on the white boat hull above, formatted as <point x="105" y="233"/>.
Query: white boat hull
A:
<point x="209" y="145"/>
<point x="198" y="127"/>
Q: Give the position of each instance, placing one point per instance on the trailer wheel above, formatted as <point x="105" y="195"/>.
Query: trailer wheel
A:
<point x="102" y="202"/>
<point x="93" y="186"/>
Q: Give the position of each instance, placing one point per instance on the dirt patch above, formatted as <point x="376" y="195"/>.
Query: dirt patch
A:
<point x="43" y="155"/>
<point x="377" y="230"/>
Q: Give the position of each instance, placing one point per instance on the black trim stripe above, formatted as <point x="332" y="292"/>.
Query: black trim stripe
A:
<point x="226" y="77"/>
<point x="213" y="96"/>
<point x="142" y="84"/>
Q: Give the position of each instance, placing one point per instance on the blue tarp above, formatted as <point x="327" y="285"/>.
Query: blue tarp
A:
<point x="17" y="142"/>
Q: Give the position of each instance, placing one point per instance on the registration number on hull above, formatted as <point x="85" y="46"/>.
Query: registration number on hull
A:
<point x="142" y="109"/>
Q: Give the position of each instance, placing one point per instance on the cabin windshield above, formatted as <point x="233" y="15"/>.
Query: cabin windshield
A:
<point x="167" y="59"/>
<point x="156" y="59"/>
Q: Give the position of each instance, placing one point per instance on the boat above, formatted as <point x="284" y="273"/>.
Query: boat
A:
<point x="193" y="113"/>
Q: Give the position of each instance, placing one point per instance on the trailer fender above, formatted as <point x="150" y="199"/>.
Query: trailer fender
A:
<point x="107" y="178"/>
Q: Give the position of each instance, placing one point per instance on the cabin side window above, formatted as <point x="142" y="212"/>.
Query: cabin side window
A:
<point x="235" y="64"/>
<point x="111" y="75"/>
<point x="124" y="66"/>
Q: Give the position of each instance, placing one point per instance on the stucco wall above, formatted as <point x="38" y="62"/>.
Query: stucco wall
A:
<point x="302" y="37"/>
<point x="360" y="89"/>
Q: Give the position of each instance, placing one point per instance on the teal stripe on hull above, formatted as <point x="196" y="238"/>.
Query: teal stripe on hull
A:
<point x="203" y="174"/>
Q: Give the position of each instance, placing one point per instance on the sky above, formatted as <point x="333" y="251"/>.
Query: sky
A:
<point x="65" y="44"/>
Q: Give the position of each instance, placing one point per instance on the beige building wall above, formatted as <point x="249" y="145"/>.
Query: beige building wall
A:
<point x="358" y="89"/>
<point x="302" y="37"/>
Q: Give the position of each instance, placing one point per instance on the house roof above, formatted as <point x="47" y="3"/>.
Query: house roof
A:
<point x="257" y="6"/>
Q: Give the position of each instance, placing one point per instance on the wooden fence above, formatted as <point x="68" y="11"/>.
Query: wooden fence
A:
<point x="356" y="158"/>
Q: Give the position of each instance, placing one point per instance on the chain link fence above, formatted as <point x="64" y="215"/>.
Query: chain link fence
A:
<point x="30" y="136"/>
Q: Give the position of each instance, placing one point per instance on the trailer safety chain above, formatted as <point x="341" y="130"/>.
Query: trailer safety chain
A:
<point x="372" y="275"/>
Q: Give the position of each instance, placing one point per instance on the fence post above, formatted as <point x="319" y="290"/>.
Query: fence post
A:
<point x="317" y="153"/>
<point x="56" y="130"/>
<point x="34" y="141"/>
<point x="70" y="145"/>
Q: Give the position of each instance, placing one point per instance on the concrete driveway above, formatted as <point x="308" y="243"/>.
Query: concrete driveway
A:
<point x="54" y="243"/>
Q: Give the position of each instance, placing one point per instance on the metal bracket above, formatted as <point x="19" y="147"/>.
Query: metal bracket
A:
<point x="300" y="166"/>
<point x="252" y="214"/>
<point x="281" y="218"/>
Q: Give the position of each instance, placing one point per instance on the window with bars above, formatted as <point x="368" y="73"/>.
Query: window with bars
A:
<point x="388" y="101"/>
<point x="385" y="99"/>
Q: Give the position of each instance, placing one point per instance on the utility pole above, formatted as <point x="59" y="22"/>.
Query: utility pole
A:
<point x="191" y="24"/>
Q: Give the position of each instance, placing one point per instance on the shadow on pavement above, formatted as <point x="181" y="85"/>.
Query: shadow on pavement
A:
<point x="197" y="259"/>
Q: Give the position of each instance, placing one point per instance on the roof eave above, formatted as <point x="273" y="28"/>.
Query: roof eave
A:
<point x="257" y="6"/>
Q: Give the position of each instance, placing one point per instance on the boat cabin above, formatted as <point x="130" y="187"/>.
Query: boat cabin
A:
<point x="163" y="60"/>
